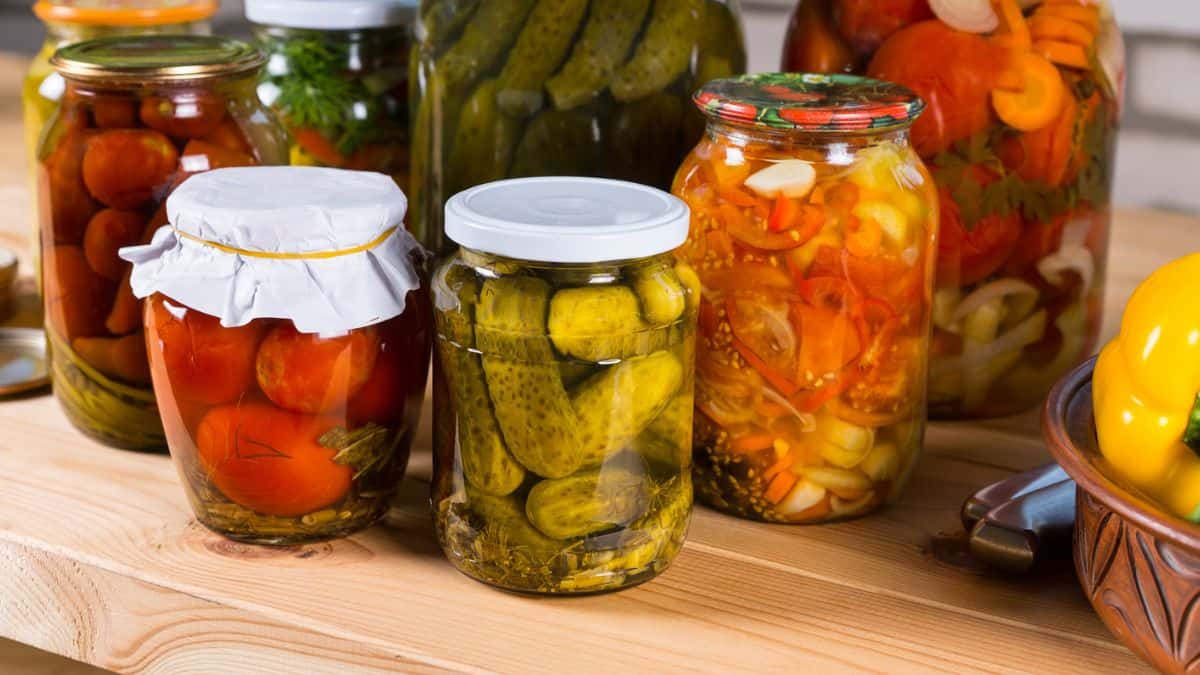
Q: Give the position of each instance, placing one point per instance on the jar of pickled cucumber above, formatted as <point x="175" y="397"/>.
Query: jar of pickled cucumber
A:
<point x="564" y="354"/>
<point x="337" y="76"/>
<point x="139" y="116"/>
<point x="1024" y="101"/>
<point x="514" y="88"/>
<point x="289" y="369"/>
<point x="814" y="226"/>
<point x="70" y="21"/>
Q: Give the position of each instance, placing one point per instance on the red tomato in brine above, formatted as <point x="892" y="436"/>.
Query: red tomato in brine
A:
<point x="312" y="374"/>
<point x="268" y="460"/>
<point x="865" y="24"/>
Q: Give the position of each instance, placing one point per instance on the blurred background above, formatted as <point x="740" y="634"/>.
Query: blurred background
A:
<point x="1159" y="149"/>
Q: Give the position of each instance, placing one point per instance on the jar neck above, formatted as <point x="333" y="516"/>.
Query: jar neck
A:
<point x="849" y="142"/>
<point x="241" y="85"/>
<point x="59" y="33"/>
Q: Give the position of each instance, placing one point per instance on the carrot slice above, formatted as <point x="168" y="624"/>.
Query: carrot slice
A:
<point x="1087" y="16"/>
<point x="784" y="215"/>
<point x="752" y="443"/>
<point x="780" y="486"/>
<point x="1013" y="32"/>
<point x="780" y="466"/>
<point x="864" y="237"/>
<point x="1063" y="53"/>
<point x="1047" y="27"/>
<point x="1038" y="100"/>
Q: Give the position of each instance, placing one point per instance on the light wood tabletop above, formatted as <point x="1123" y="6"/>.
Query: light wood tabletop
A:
<point x="101" y="561"/>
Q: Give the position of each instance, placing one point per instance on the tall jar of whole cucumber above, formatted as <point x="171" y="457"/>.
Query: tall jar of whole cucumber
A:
<point x="337" y="77"/>
<point x="563" y="384"/>
<point x="513" y="88"/>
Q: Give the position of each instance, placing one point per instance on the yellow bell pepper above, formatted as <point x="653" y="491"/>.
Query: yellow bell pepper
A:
<point x="1146" y="389"/>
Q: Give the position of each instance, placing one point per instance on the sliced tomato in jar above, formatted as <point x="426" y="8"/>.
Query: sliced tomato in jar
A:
<point x="764" y="336"/>
<point x="888" y="278"/>
<point x="829" y="341"/>
<point x="968" y="256"/>
<point x="748" y="277"/>
<point x="753" y="232"/>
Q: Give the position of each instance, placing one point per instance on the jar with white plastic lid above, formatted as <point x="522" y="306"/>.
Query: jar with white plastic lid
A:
<point x="288" y="334"/>
<point x="565" y="335"/>
<point x="337" y="77"/>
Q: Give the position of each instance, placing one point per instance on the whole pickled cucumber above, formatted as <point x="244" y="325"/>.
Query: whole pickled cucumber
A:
<point x="484" y="142"/>
<point x="558" y="143"/>
<point x="527" y="392"/>
<point x="599" y="323"/>
<point x="607" y="36"/>
<point x="662" y="452"/>
<point x="663" y="295"/>
<point x="615" y="406"/>
<point x="505" y="519"/>
<point x="540" y="48"/>
<point x="674" y="426"/>
<point x="441" y="19"/>
<point x="587" y="502"/>
<point x="484" y="40"/>
<point x="487" y="464"/>
<point x="721" y="44"/>
<point x="664" y="52"/>
<point x="638" y="148"/>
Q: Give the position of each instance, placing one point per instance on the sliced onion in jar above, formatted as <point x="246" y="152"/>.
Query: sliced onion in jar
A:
<point x="803" y="497"/>
<point x="968" y="16"/>
<point x="998" y="289"/>
<point x="1073" y="258"/>
<point x="1024" y="334"/>
<point x="845" y="508"/>
<point x="808" y="422"/>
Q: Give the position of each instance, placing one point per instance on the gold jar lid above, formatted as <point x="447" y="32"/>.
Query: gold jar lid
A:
<point x="156" y="58"/>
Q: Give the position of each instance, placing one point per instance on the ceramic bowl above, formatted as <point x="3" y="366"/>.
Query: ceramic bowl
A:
<point x="1138" y="564"/>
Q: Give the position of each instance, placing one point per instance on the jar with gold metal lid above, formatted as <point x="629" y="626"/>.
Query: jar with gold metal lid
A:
<point x="139" y="116"/>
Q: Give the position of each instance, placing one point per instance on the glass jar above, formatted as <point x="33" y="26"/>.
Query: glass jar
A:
<point x="139" y="116"/>
<point x="1024" y="100"/>
<point x="337" y="77"/>
<point x="518" y="88"/>
<point x="289" y="415"/>
<point x="563" y="385"/>
<point x="70" y="21"/>
<point x="814" y="227"/>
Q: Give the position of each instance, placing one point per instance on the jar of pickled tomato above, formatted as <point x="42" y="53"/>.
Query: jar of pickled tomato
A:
<point x="1024" y="100"/>
<point x="139" y="116"/>
<point x="563" y="385"/>
<point x="337" y="76"/>
<point x="288" y="335"/>
<point x="813" y="232"/>
<point x="519" y="88"/>
<point x="70" y="21"/>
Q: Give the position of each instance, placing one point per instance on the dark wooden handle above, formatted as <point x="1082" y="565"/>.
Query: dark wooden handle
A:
<point x="979" y="504"/>
<point x="1033" y="526"/>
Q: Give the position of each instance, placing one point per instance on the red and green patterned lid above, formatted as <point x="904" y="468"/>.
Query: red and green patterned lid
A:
<point x="810" y="102"/>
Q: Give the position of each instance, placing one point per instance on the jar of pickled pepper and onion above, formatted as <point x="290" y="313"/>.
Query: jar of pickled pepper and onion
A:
<point x="1024" y="102"/>
<point x="563" y="384"/>
<point x="813" y="231"/>
<point x="139" y="116"/>
<point x="71" y="21"/>
<point x="288" y="335"/>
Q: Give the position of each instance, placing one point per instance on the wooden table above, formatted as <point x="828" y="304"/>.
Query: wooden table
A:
<point x="101" y="561"/>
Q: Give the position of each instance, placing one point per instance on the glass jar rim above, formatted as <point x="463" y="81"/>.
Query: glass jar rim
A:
<point x="109" y="15"/>
<point x="142" y="58"/>
<point x="810" y="102"/>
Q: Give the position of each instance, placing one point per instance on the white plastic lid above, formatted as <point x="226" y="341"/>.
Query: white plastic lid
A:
<point x="330" y="14"/>
<point x="324" y="248"/>
<point x="567" y="220"/>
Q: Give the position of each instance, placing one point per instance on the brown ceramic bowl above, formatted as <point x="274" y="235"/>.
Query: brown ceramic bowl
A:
<point x="1138" y="564"/>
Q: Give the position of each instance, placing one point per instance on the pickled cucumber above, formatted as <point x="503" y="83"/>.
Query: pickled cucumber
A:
<point x="527" y="392"/>
<point x="485" y="140"/>
<point x="487" y="463"/>
<point x="441" y="19"/>
<point x="607" y="37"/>
<point x="540" y="48"/>
<point x="638" y="150"/>
<point x="599" y="323"/>
<point x="558" y="143"/>
<point x="664" y="52"/>
<point x="663" y="296"/>
<point x="588" y="502"/>
<point x="722" y="52"/>
<point x="486" y="37"/>
<point x="507" y="526"/>
<point x="615" y="406"/>
<point x="674" y="424"/>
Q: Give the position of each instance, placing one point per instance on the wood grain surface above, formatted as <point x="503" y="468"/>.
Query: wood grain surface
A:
<point x="101" y="561"/>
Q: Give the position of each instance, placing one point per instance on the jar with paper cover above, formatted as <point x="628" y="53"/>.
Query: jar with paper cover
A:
<point x="288" y="337"/>
<point x="140" y="116"/>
